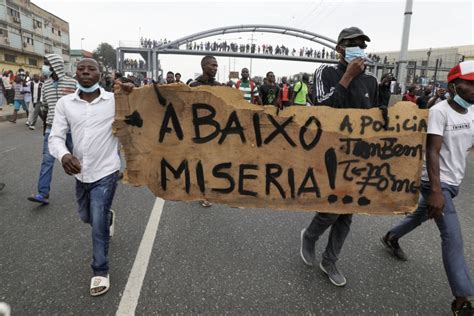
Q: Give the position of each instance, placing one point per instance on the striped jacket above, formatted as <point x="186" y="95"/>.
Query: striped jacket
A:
<point x="54" y="90"/>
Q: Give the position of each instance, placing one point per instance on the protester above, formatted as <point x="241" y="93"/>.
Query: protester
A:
<point x="36" y="87"/>
<point x="209" y="70"/>
<point x="8" y="85"/>
<point x="270" y="91"/>
<point x="88" y="114"/>
<point x="439" y="96"/>
<point x="170" y="77"/>
<point x="410" y="95"/>
<point x="177" y="77"/>
<point x="208" y="78"/>
<point x="450" y="136"/>
<point x="285" y="92"/>
<point x="56" y="86"/>
<point x="422" y="100"/>
<point x="384" y="89"/>
<point x="248" y="87"/>
<point x="300" y="95"/>
<point x="345" y="85"/>
<point x="2" y="95"/>
<point x="18" y="99"/>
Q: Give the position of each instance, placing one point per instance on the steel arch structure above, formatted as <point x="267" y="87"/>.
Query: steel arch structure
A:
<point x="311" y="36"/>
<point x="153" y="64"/>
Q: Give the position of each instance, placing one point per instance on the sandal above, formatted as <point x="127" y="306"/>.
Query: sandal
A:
<point x="99" y="285"/>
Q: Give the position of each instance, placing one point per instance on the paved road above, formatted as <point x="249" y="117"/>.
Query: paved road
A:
<point x="203" y="261"/>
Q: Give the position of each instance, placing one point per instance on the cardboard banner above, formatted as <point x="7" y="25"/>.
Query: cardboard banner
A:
<point x="209" y="143"/>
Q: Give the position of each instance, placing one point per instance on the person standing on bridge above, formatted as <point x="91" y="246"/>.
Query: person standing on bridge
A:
<point x="450" y="137"/>
<point x="208" y="78"/>
<point x="88" y="114"/>
<point x="345" y="85"/>
<point x="56" y="86"/>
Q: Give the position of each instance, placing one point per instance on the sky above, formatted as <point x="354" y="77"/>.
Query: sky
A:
<point x="433" y="24"/>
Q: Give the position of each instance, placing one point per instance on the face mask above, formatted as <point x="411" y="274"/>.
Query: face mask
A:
<point x="46" y="70"/>
<point x="460" y="101"/>
<point x="88" y="89"/>
<point x="352" y="53"/>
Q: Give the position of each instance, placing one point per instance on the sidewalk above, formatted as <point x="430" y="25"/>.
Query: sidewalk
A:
<point x="7" y="113"/>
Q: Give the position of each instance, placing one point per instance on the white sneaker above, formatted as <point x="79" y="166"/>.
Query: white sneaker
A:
<point x="31" y="127"/>
<point x="112" y="223"/>
<point x="27" y="123"/>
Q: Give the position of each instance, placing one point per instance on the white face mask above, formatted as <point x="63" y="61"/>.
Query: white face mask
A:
<point x="46" y="71"/>
<point x="352" y="53"/>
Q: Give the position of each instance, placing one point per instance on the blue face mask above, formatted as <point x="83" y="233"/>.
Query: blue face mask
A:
<point x="46" y="71"/>
<point x="352" y="53"/>
<point x="87" y="89"/>
<point x="460" y="101"/>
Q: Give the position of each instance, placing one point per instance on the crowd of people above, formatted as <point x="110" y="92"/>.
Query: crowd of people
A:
<point x="149" y="43"/>
<point x="23" y="92"/>
<point x="266" y="49"/>
<point x="346" y="85"/>
<point x="129" y="63"/>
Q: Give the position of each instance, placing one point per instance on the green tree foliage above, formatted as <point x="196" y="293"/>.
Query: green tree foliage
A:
<point x="106" y="54"/>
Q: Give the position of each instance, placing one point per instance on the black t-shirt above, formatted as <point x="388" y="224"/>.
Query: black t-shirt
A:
<point x="200" y="81"/>
<point x="269" y="94"/>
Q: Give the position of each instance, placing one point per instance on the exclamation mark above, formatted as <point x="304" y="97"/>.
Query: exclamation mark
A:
<point x="330" y="160"/>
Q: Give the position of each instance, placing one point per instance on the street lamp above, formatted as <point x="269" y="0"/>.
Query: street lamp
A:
<point x="82" y="39"/>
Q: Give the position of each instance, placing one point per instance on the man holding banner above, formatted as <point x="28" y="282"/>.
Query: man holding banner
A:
<point x="345" y="85"/>
<point x="450" y="136"/>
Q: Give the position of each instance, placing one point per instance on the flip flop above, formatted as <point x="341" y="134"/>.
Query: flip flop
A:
<point x="99" y="282"/>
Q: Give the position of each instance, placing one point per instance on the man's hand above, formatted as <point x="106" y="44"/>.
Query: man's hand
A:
<point x="355" y="68"/>
<point x="126" y="87"/>
<point x="440" y="92"/>
<point x="435" y="204"/>
<point x="71" y="164"/>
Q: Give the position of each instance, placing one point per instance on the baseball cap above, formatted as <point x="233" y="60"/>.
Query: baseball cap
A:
<point x="351" y="32"/>
<point x="464" y="70"/>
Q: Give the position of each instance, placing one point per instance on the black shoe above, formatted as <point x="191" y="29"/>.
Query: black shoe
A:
<point x="392" y="245"/>
<point x="307" y="249"/>
<point x="2" y="185"/>
<point x="464" y="310"/>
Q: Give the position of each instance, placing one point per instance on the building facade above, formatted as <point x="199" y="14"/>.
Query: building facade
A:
<point x="27" y="33"/>
<point x="425" y="65"/>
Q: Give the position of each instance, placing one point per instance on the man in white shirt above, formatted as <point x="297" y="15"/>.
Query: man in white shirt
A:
<point x="95" y="163"/>
<point x="450" y="136"/>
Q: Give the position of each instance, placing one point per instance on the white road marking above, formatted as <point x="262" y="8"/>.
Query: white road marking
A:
<point x="7" y="150"/>
<point x="131" y="294"/>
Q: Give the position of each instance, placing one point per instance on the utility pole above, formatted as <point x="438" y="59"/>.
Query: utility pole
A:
<point x="402" y="64"/>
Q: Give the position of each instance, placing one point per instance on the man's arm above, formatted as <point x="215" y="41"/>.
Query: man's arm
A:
<point x="57" y="141"/>
<point x="435" y="199"/>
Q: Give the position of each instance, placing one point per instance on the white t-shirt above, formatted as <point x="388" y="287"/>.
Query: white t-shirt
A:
<point x="458" y="137"/>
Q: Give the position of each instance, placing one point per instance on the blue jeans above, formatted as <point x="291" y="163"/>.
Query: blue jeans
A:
<point x="94" y="200"/>
<point x="340" y="227"/>
<point x="454" y="262"/>
<point x="46" y="172"/>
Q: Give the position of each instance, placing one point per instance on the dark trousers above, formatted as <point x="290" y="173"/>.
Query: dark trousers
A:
<point x="340" y="226"/>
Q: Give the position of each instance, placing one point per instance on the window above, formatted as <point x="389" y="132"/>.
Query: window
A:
<point x="32" y="62"/>
<point x="10" y="58"/>
<point x="3" y="33"/>
<point x="48" y="48"/>
<point x="28" y="40"/>
<point x="52" y="30"/>
<point x="37" y="24"/>
<point x="65" y="51"/>
<point x="59" y="32"/>
<point x="14" y="13"/>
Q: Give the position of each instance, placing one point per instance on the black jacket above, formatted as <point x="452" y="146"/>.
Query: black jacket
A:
<point x="362" y="92"/>
<point x="200" y="81"/>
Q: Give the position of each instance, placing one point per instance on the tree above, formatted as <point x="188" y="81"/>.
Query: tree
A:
<point x="105" y="53"/>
